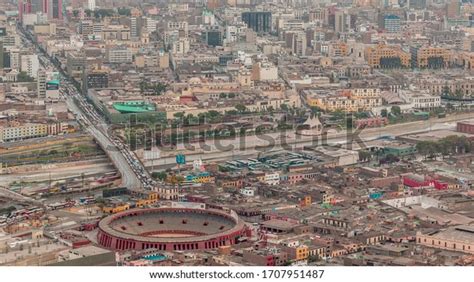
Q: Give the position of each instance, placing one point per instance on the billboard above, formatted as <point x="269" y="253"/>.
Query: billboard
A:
<point x="52" y="85"/>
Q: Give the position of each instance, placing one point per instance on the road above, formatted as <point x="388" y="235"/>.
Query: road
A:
<point x="134" y="175"/>
<point x="217" y="150"/>
<point x="129" y="178"/>
<point x="5" y="193"/>
<point x="61" y="171"/>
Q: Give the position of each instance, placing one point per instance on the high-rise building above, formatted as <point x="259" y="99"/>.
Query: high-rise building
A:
<point x="91" y="5"/>
<point x="1" y="55"/>
<point x="24" y="7"/>
<point x="119" y="55"/>
<point x="36" y="6"/>
<point x="151" y="25"/>
<point x="54" y="9"/>
<point x="97" y="79"/>
<point x="453" y="9"/>
<point x="133" y="27"/>
<point x="299" y="44"/>
<point x="391" y="23"/>
<point x="429" y="57"/>
<point x="41" y="84"/>
<point x="258" y="21"/>
<point x="417" y="4"/>
<point x="30" y="65"/>
<point x="2" y="93"/>
<point x="15" y="58"/>
<point x="214" y="37"/>
<point x="214" y="4"/>
<point x="45" y="6"/>
<point x="342" y="21"/>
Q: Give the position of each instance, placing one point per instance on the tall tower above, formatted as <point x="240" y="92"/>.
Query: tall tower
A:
<point x="41" y="84"/>
<point x="54" y="9"/>
<point x="453" y="8"/>
<point x="1" y="55"/>
<point x="24" y="7"/>
<point x="91" y="5"/>
<point x="45" y="6"/>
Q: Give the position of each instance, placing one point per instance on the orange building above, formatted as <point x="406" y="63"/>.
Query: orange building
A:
<point x="424" y="57"/>
<point x="383" y="56"/>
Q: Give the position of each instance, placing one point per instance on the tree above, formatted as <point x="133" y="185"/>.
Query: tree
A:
<point x="124" y="11"/>
<point x="396" y="110"/>
<point x="102" y="13"/>
<point x="231" y="112"/>
<point x="212" y="114"/>
<point x="315" y="110"/>
<point x="159" y="88"/>
<point x="338" y="115"/>
<point x="284" y="107"/>
<point x="446" y="146"/>
<point x="180" y="179"/>
<point x="364" y="156"/>
<point x="159" y="175"/>
<point x="446" y="91"/>
<point x="384" y="113"/>
<point x="312" y="259"/>
<point x="24" y="77"/>
<point x="179" y="115"/>
<point x="390" y="158"/>
<point x="427" y="148"/>
<point x="443" y="148"/>
<point x="143" y="86"/>
<point x="241" y="108"/>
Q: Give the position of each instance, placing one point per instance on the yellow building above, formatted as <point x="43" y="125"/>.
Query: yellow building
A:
<point x="347" y="101"/>
<point x="468" y="60"/>
<point x="376" y="54"/>
<point x="302" y="252"/>
<point x="115" y="208"/>
<point x="205" y="179"/>
<point x="306" y="201"/>
<point x="339" y="49"/>
<point x="423" y="55"/>
<point x="25" y="131"/>
<point x="147" y="199"/>
<point x="144" y="202"/>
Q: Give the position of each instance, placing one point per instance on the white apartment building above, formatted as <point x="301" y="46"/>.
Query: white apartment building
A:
<point x="91" y="5"/>
<point x="41" y="84"/>
<point x="272" y="178"/>
<point x="15" y="59"/>
<point x="426" y="102"/>
<point x="248" y="192"/>
<point x="119" y="56"/>
<point x="180" y="46"/>
<point x="151" y="25"/>
<point x="30" y="130"/>
<point x="30" y="65"/>
<point x="264" y="72"/>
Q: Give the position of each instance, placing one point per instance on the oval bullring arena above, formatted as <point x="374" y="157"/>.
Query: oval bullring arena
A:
<point x="170" y="229"/>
